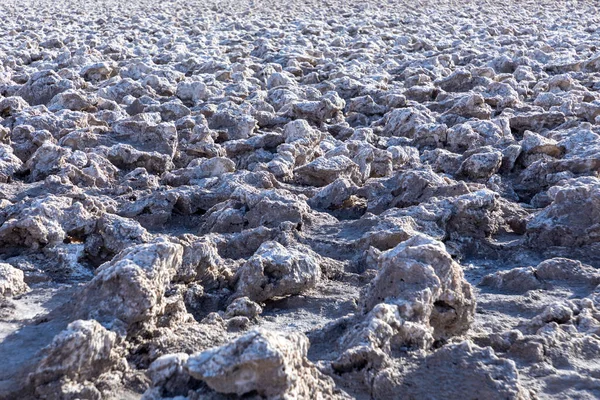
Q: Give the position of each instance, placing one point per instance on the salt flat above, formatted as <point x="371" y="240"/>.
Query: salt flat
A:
<point x="299" y="199"/>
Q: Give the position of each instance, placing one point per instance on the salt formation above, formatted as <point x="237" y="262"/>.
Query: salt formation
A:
<point x="301" y="200"/>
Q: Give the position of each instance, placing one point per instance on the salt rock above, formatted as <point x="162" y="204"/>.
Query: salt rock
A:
<point x="405" y="122"/>
<point x="365" y="105"/>
<point x="192" y="92"/>
<point x="476" y="214"/>
<point x="421" y="93"/>
<point x="12" y="105"/>
<point x="170" y="111"/>
<point x="501" y="95"/>
<point x="140" y="179"/>
<point x="559" y="313"/>
<point x="275" y="271"/>
<point x="481" y="165"/>
<point x="169" y="374"/>
<point x="161" y="85"/>
<point x="26" y="140"/>
<point x="319" y="111"/>
<point x="9" y="163"/>
<point x="442" y="160"/>
<point x="404" y="156"/>
<point x="201" y="260"/>
<point x="120" y="89"/>
<point x="243" y="307"/>
<point x="300" y="131"/>
<point x="459" y="81"/>
<point x="200" y="169"/>
<point x="132" y="285"/>
<point x="70" y="100"/>
<point x="555" y="271"/>
<point x="324" y="171"/>
<point x="369" y="344"/>
<point x="536" y="121"/>
<point x="472" y="214"/>
<point x="566" y="270"/>
<point x="408" y="188"/>
<point x="472" y="106"/>
<point x="42" y="221"/>
<point x="461" y="137"/>
<point x="534" y="143"/>
<point x="573" y="217"/>
<point x="427" y="286"/>
<point x="273" y="365"/>
<point x="147" y="133"/>
<point x="126" y="156"/>
<point x="97" y="72"/>
<point x="252" y="209"/>
<point x="279" y="79"/>
<point x="234" y="122"/>
<point x="47" y="160"/>
<point x="516" y="280"/>
<point x="333" y="195"/>
<point x="510" y="155"/>
<point x="42" y="86"/>
<point x="300" y="147"/>
<point x="281" y="98"/>
<point x="143" y="105"/>
<point x="113" y="234"/>
<point x="80" y="353"/>
<point x="11" y="281"/>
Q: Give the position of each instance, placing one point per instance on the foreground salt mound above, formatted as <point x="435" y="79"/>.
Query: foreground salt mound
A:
<point x="11" y="281"/>
<point x="459" y="371"/>
<point x="420" y="278"/>
<point x="130" y="288"/>
<point x="573" y="216"/>
<point x="273" y="365"/>
<point x="275" y="271"/>
<point x="47" y="220"/>
<point x="560" y="336"/>
<point x="419" y="296"/>
<point x="77" y="361"/>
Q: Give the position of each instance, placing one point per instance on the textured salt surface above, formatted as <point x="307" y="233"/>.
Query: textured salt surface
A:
<point x="300" y="200"/>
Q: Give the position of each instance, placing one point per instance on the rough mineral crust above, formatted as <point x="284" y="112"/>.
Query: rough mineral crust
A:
<point x="77" y="356"/>
<point x="11" y="281"/>
<point x="420" y="278"/>
<point x="274" y="271"/>
<point x="573" y="216"/>
<point x="169" y="376"/>
<point x="44" y="220"/>
<point x="520" y="280"/>
<point x="460" y="371"/>
<point x="273" y="365"/>
<point x="418" y="296"/>
<point x="131" y="287"/>
<point x="410" y="188"/>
